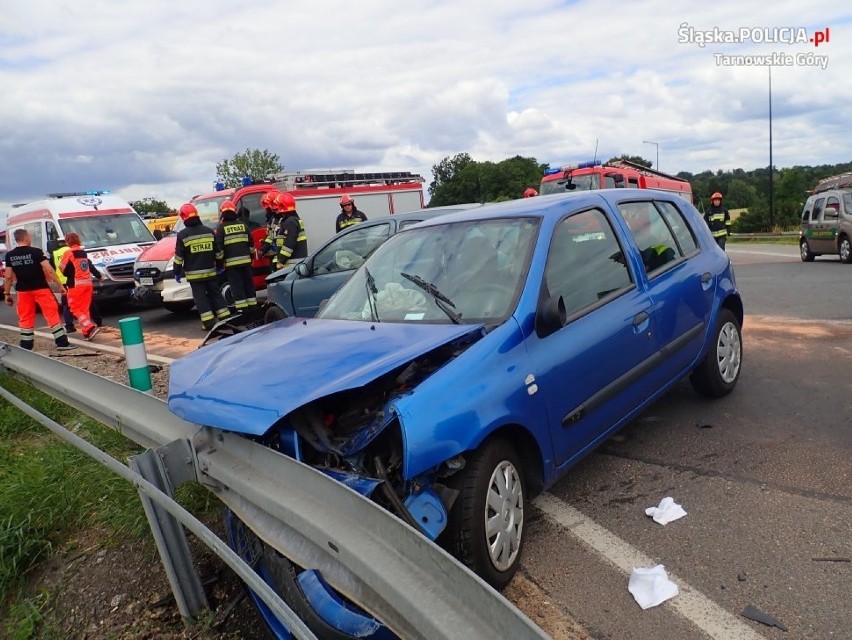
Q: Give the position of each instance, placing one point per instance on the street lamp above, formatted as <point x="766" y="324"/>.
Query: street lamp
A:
<point x="657" y="145"/>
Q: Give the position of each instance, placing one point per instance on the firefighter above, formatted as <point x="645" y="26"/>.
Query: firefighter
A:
<point x="196" y="258"/>
<point x="291" y="241"/>
<point x="718" y="219"/>
<point x="65" y="310"/>
<point x="530" y="193"/>
<point x="233" y="242"/>
<point x="79" y="272"/>
<point x="272" y="221"/>
<point x="349" y="214"/>
<point x="29" y="270"/>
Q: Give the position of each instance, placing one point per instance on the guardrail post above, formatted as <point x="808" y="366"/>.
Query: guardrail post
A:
<point x="134" y="354"/>
<point x="167" y="530"/>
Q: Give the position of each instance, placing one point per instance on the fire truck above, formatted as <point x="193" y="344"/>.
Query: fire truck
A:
<point x="317" y="194"/>
<point x="616" y="174"/>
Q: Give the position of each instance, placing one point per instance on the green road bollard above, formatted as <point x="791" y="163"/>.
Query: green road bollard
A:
<point x="134" y="353"/>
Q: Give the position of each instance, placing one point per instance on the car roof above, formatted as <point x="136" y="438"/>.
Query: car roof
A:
<point x="554" y="205"/>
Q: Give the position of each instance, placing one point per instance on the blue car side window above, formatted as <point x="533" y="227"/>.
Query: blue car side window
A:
<point x="585" y="263"/>
<point x="349" y="251"/>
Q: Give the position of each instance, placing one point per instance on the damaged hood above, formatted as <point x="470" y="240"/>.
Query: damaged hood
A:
<point x="247" y="382"/>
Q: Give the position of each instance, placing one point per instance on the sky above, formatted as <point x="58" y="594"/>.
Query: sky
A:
<point x="145" y="97"/>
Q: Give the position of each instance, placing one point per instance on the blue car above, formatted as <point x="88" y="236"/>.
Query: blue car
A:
<point x="473" y="359"/>
<point x="300" y="289"/>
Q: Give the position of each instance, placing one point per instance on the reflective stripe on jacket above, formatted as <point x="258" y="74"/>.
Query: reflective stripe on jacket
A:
<point x="233" y="241"/>
<point x="195" y="251"/>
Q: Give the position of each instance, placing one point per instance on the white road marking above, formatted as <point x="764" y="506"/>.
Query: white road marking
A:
<point x="764" y="253"/>
<point x="690" y="603"/>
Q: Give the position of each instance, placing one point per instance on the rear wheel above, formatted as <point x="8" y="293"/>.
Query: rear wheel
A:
<point x="805" y="252"/>
<point x="718" y="373"/>
<point x="845" y="250"/>
<point x="486" y="524"/>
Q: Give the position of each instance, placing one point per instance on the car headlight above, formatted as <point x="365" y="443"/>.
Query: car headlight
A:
<point x="169" y="271"/>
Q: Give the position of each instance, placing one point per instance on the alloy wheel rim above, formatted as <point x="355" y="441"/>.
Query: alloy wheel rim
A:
<point x="729" y="352"/>
<point x="504" y="515"/>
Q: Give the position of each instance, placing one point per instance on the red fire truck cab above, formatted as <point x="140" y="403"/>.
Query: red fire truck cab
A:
<point x="617" y="174"/>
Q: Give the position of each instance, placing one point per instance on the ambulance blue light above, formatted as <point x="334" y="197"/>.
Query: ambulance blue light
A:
<point x="550" y="172"/>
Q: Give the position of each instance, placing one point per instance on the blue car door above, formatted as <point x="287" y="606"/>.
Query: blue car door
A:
<point x="681" y="282"/>
<point x="334" y="263"/>
<point x="591" y="371"/>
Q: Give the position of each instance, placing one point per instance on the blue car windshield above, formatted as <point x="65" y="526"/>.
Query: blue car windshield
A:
<point x="463" y="272"/>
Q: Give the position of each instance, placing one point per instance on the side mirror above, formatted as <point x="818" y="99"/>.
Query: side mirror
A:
<point x="303" y="269"/>
<point x="831" y="213"/>
<point x="550" y="316"/>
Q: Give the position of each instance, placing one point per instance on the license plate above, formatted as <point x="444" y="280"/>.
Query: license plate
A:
<point x="146" y="282"/>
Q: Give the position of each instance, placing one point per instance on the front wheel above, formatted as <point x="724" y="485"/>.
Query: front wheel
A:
<point x="845" y="250"/>
<point x="718" y="373"/>
<point x="273" y="314"/>
<point x="805" y="252"/>
<point x="486" y="523"/>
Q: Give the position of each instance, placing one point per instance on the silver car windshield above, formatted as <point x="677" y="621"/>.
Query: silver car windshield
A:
<point x="463" y="272"/>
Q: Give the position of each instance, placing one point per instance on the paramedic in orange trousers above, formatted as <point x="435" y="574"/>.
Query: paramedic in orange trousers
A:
<point x="79" y="273"/>
<point x="29" y="270"/>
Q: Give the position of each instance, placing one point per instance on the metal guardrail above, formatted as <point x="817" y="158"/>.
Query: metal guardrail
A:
<point x="379" y="562"/>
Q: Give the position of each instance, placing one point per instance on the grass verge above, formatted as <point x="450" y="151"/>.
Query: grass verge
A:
<point x="49" y="491"/>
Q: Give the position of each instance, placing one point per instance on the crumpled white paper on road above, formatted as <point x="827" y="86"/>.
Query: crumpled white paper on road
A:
<point x="667" y="511"/>
<point x="651" y="587"/>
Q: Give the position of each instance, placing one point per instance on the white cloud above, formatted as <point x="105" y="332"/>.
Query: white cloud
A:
<point x="146" y="97"/>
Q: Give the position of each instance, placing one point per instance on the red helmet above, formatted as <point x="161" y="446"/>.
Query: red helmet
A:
<point x="346" y="199"/>
<point x="228" y="205"/>
<point x="188" y="211"/>
<point x="267" y="198"/>
<point x="716" y="195"/>
<point x="530" y="193"/>
<point x="284" y="203"/>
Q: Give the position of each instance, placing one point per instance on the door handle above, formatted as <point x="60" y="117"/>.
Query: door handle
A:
<point x="640" y="318"/>
<point x="706" y="277"/>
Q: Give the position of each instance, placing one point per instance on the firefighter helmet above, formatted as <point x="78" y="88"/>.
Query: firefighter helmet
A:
<point x="346" y="199"/>
<point x="267" y="198"/>
<point x="227" y="205"/>
<point x="716" y="196"/>
<point x="529" y="193"/>
<point x="188" y="211"/>
<point x="284" y="203"/>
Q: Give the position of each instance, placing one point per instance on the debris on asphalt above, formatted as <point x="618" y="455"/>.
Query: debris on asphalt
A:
<point x="651" y="586"/>
<point x="742" y="577"/>
<point x="667" y="511"/>
<point x="704" y="426"/>
<point x="831" y="559"/>
<point x="753" y="613"/>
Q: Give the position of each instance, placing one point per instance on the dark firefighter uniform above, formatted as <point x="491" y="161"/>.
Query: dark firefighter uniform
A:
<point x="195" y="259"/>
<point x="344" y="220"/>
<point x="291" y="241"/>
<point x="234" y="244"/>
<point x="719" y="221"/>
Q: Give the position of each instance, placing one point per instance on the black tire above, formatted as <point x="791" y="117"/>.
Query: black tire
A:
<point x="227" y="294"/>
<point x="179" y="307"/>
<point x="805" y="252"/>
<point x="273" y="314"/>
<point x="844" y="250"/>
<point x="493" y="468"/>
<point x="281" y="575"/>
<point x="718" y="373"/>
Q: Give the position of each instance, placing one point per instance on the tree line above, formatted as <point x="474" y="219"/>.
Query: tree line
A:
<point x="459" y="178"/>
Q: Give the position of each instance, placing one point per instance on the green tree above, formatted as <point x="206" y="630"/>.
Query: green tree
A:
<point x="633" y="159"/>
<point x="150" y="205"/>
<point x="254" y="163"/>
<point x="460" y="179"/>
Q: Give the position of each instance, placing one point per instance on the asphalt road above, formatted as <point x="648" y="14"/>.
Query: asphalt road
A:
<point x="765" y="476"/>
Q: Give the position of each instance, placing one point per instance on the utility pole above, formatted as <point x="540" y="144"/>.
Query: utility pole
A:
<point x="656" y="144"/>
<point x="771" y="189"/>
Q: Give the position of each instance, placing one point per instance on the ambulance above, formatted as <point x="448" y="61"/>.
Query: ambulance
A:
<point x="110" y="230"/>
<point x="317" y="195"/>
